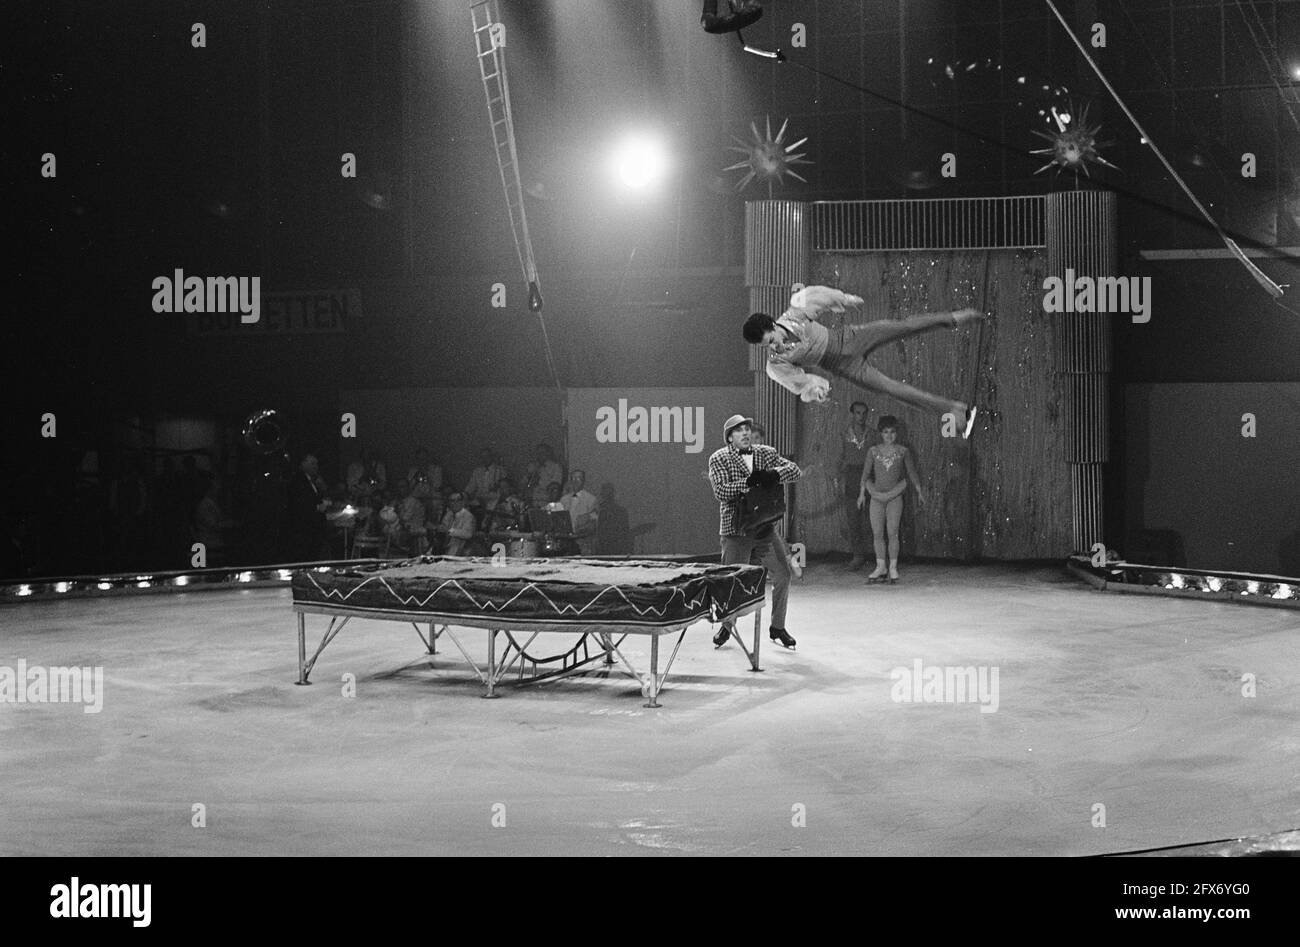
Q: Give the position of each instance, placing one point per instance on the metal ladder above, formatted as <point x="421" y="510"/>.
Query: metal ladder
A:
<point x="492" y="68"/>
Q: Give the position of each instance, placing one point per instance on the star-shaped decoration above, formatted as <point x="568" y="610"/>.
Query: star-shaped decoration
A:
<point x="767" y="158"/>
<point x="1074" y="144"/>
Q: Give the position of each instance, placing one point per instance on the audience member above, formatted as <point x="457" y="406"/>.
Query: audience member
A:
<point x="305" y="520"/>
<point x="366" y="474"/>
<point x="542" y="471"/>
<point x="484" y="477"/>
<point x="553" y="497"/>
<point x="425" y="475"/>
<point x="508" y="511"/>
<point x="582" y="507"/>
<point x="457" y="525"/>
<point x="411" y="514"/>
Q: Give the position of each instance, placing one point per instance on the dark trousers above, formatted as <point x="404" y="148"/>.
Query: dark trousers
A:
<point x="857" y="517"/>
<point x="748" y="550"/>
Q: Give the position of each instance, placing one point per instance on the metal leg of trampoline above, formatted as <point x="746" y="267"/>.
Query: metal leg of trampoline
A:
<point x="491" y="665"/>
<point x="302" y="650"/>
<point x="758" y="638"/>
<point x="429" y="647"/>
<point x="654" y="672"/>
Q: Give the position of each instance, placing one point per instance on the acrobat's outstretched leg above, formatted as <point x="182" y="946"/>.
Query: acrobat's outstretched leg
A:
<point x="873" y="379"/>
<point x="862" y="340"/>
<point x="740" y="14"/>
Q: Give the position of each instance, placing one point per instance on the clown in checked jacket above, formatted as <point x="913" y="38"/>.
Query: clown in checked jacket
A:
<point x="729" y="470"/>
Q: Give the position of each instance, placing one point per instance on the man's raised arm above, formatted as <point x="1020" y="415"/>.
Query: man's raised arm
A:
<point x="793" y="378"/>
<point x="812" y="301"/>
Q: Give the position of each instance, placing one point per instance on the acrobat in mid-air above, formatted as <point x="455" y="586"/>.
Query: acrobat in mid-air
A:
<point x="796" y="341"/>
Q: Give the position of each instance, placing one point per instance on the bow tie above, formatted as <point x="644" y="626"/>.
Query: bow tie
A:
<point x="750" y="451"/>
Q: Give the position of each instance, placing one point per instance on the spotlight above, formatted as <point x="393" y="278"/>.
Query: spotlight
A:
<point x="181" y="580"/>
<point x="286" y="574"/>
<point x="24" y="590"/>
<point x="62" y="586"/>
<point x="640" y="162"/>
<point x="104" y="586"/>
<point x="245" y="577"/>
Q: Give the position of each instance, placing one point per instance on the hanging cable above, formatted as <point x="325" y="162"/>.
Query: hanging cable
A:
<point x="1260" y="276"/>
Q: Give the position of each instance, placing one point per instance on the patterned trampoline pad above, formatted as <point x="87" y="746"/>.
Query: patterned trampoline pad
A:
<point x="577" y="591"/>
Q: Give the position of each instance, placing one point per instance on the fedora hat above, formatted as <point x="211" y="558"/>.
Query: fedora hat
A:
<point x="733" y="422"/>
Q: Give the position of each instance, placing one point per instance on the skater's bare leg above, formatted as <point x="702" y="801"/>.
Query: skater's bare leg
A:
<point x="893" y="519"/>
<point x="878" y="537"/>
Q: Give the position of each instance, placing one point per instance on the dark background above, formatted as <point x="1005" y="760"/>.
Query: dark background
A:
<point x="226" y="160"/>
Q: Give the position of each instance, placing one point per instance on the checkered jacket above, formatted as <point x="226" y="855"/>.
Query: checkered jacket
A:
<point x="728" y="473"/>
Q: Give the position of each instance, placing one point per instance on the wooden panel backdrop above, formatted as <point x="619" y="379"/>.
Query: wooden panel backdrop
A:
<point x="1005" y="494"/>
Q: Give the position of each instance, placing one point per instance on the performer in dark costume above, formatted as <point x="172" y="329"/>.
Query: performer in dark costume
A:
<point x="796" y="340"/>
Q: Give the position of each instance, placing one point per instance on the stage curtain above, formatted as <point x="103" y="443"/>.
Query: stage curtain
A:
<point x="1005" y="494"/>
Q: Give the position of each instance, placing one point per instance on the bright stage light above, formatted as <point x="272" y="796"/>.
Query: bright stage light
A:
<point x="640" y="162"/>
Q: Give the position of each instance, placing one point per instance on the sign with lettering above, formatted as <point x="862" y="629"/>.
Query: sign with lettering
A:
<point x="285" y="313"/>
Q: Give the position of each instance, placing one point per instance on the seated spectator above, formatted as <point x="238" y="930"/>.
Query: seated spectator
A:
<point x="392" y="523"/>
<point x="553" y="496"/>
<point x="508" y="511"/>
<point x="366" y="474"/>
<point x="370" y="525"/>
<point x="437" y="505"/>
<point x="541" y="472"/>
<point x="411" y="515"/>
<point x="457" y="525"/>
<point x="582" y="507"/>
<point x="484" y="477"/>
<point x="425" y="475"/>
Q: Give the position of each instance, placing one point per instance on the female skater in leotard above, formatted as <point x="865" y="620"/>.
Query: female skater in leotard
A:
<point x="882" y="478"/>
